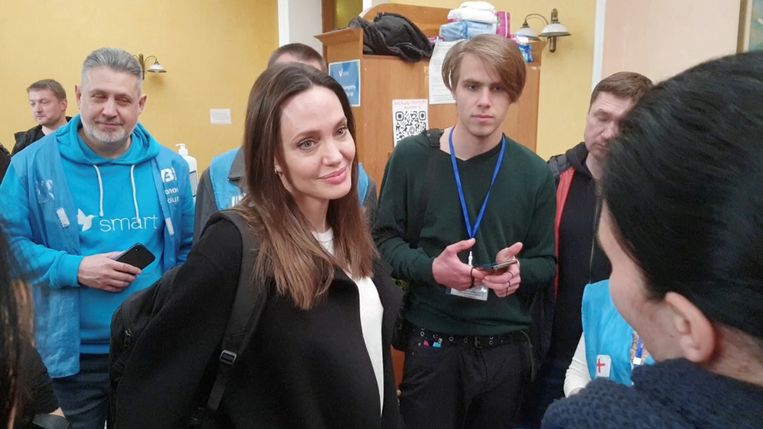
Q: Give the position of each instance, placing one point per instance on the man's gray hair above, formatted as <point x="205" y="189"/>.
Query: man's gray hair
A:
<point x="115" y="59"/>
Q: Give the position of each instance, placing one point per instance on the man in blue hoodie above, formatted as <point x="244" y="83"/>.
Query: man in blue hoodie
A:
<point x="72" y="203"/>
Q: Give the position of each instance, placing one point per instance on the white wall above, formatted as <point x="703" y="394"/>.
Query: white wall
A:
<point x="299" y="21"/>
<point x="660" y="38"/>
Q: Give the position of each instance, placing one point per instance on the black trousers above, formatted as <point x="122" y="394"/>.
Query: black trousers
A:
<point x="547" y="388"/>
<point x="463" y="386"/>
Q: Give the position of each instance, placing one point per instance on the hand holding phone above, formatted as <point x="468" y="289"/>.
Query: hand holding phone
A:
<point x="137" y="256"/>
<point x="496" y="267"/>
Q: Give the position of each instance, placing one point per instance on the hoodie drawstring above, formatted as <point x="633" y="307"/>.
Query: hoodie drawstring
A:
<point x="100" y="191"/>
<point x="134" y="193"/>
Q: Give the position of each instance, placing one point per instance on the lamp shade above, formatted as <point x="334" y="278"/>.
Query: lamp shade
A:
<point x="156" y="68"/>
<point x="526" y="31"/>
<point x="554" y="29"/>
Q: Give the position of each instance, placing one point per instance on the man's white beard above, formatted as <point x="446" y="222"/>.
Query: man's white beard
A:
<point x="109" y="140"/>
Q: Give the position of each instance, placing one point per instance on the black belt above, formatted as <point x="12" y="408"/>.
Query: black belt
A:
<point x="476" y="341"/>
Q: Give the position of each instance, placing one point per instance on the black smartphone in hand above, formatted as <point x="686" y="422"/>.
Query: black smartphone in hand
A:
<point x="137" y="256"/>
<point x="496" y="267"/>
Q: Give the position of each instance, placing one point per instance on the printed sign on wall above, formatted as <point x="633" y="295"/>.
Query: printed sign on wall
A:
<point x="409" y="118"/>
<point x="347" y="73"/>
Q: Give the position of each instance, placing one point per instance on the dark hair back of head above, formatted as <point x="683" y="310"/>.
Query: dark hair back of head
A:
<point x="299" y="51"/>
<point x="683" y="185"/>
<point x="625" y="84"/>
<point x="51" y="85"/>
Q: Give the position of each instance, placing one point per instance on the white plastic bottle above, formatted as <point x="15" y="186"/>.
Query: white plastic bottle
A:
<point x="193" y="176"/>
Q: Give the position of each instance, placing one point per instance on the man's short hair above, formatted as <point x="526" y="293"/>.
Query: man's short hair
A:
<point x="625" y="84"/>
<point x="51" y="85"/>
<point x="499" y="55"/>
<point x="115" y="59"/>
<point x="299" y="51"/>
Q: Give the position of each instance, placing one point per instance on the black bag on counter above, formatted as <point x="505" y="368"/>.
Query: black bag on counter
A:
<point x="393" y="34"/>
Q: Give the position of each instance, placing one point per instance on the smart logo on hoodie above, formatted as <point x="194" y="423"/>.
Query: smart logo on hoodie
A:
<point x="83" y="220"/>
<point x="117" y="224"/>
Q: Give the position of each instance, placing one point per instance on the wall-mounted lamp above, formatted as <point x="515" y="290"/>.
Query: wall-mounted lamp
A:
<point x="551" y="30"/>
<point x="155" y="67"/>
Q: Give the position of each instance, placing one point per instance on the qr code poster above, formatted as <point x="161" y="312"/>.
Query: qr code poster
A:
<point x="409" y="118"/>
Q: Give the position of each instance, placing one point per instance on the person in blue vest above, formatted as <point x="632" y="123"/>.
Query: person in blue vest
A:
<point x="222" y="185"/>
<point x="72" y="203"/>
<point x="608" y="348"/>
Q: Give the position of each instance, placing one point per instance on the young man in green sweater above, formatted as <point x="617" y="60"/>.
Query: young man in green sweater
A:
<point x="451" y="201"/>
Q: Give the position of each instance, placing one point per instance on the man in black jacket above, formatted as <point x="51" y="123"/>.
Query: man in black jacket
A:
<point x="580" y="259"/>
<point x="5" y="160"/>
<point x="47" y="99"/>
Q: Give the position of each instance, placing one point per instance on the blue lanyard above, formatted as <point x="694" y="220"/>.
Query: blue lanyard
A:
<point x="472" y="229"/>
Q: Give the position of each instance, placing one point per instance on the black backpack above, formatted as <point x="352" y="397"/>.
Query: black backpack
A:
<point x="393" y="34"/>
<point x="135" y="314"/>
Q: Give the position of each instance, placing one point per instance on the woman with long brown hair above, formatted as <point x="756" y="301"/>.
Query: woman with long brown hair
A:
<point x="26" y="394"/>
<point x="15" y="331"/>
<point x="320" y="354"/>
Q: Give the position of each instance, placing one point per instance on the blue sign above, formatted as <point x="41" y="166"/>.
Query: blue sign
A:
<point x="347" y="73"/>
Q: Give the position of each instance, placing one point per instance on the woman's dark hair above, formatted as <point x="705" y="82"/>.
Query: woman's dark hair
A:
<point x="15" y="330"/>
<point x="684" y="186"/>
<point x="289" y="252"/>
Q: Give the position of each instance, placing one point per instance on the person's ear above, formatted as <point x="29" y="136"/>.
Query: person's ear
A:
<point x="142" y="103"/>
<point x="696" y="334"/>
<point x="78" y="95"/>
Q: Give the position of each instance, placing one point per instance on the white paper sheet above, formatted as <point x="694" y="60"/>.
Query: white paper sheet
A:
<point x="438" y="93"/>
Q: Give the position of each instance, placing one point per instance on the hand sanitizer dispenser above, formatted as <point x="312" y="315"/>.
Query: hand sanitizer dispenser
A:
<point x="193" y="176"/>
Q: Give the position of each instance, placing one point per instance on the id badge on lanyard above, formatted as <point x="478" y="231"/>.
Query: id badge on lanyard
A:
<point x="478" y="292"/>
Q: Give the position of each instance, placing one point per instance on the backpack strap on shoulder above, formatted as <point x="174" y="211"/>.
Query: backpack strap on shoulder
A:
<point x="557" y="164"/>
<point x="416" y="224"/>
<point x="250" y="300"/>
<point x="413" y="233"/>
